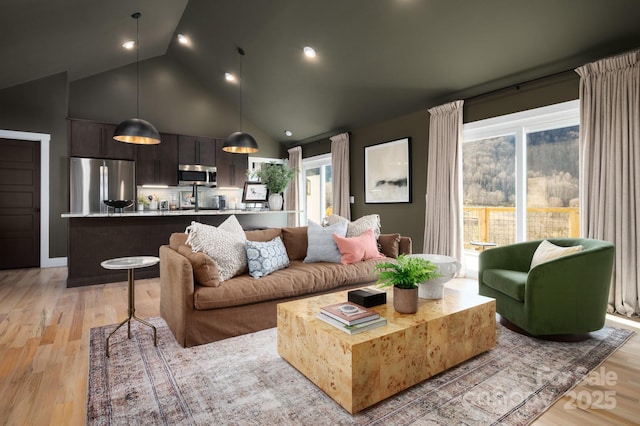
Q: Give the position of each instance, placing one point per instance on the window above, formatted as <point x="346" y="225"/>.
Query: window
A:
<point x="520" y="176"/>
<point x="317" y="195"/>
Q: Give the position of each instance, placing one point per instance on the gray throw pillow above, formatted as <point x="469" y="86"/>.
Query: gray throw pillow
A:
<point x="322" y="247"/>
<point x="266" y="257"/>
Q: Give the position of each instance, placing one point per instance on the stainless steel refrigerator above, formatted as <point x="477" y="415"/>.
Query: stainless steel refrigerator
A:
<point x="93" y="180"/>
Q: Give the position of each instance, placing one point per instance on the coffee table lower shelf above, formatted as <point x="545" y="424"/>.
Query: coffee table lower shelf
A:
<point x="360" y="370"/>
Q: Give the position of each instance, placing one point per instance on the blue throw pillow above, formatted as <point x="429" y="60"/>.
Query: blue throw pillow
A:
<point x="322" y="247"/>
<point x="266" y="257"/>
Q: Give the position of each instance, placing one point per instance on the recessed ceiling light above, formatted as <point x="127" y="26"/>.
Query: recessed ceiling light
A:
<point x="229" y="77"/>
<point x="129" y="44"/>
<point x="288" y="133"/>
<point x="183" y="39"/>
<point x="309" y="52"/>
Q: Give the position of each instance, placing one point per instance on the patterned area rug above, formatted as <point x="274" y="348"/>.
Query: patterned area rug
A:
<point x="243" y="381"/>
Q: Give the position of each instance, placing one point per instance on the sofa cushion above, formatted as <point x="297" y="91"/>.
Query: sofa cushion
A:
<point x="358" y="226"/>
<point x="205" y="270"/>
<point x="297" y="280"/>
<point x="224" y="244"/>
<point x="263" y="234"/>
<point x="510" y="283"/>
<point x="389" y="244"/>
<point x="355" y="249"/>
<point x="296" y="241"/>
<point x="547" y="251"/>
<point x="265" y="257"/>
<point x="321" y="246"/>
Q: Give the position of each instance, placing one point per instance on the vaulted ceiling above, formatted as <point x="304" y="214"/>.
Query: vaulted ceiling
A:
<point x="377" y="59"/>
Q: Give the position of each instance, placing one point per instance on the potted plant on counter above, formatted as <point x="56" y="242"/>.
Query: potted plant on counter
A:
<point x="405" y="275"/>
<point x="276" y="177"/>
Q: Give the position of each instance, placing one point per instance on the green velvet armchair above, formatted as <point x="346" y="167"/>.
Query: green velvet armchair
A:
<point x="567" y="295"/>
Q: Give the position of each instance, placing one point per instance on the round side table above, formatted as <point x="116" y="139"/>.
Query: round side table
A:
<point x="130" y="264"/>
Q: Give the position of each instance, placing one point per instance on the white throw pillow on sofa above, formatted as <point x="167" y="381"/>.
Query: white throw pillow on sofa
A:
<point x="322" y="247"/>
<point x="547" y="251"/>
<point x="358" y="226"/>
<point x="224" y="244"/>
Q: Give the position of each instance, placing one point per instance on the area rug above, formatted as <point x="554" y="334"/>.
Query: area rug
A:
<point x="243" y="381"/>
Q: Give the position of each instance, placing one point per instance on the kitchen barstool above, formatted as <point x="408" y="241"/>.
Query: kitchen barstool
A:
<point x="131" y="263"/>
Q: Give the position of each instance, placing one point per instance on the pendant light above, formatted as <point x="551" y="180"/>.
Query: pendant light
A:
<point x="136" y="130"/>
<point x="239" y="142"/>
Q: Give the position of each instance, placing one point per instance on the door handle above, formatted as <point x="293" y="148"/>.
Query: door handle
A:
<point x="37" y="209"/>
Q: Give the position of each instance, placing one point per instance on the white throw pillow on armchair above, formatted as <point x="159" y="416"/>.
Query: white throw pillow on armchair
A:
<point x="547" y="251"/>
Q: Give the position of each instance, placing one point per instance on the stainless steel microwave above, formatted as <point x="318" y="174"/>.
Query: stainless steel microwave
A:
<point x="190" y="174"/>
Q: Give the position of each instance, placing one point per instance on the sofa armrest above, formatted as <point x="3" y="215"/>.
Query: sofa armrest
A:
<point x="176" y="291"/>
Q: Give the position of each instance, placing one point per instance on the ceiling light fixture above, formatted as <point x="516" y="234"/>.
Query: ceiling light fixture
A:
<point x="183" y="39"/>
<point x="309" y="52"/>
<point x="288" y="133"/>
<point x="239" y="142"/>
<point x="229" y="77"/>
<point x="136" y="130"/>
<point x="129" y="44"/>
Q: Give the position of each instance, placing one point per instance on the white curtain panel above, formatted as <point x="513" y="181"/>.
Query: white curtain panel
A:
<point x="443" y="214"/>
<point x="292" y="193"/>
<point x="610" y="168"/>
<point x="340" y="174"/>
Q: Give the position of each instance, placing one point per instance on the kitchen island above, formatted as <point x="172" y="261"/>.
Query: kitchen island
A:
<point x="95" y="237"/>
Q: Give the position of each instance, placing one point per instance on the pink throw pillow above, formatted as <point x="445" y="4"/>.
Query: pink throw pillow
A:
<point x="358" y="248"/>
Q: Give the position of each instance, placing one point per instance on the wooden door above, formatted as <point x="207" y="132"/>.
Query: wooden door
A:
<point x="19" y="204"/>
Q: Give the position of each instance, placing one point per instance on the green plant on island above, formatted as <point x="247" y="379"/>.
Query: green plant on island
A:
<point x="143" y="200"/>
<point x="407" y="272"/>
<point x="276" y="177"/>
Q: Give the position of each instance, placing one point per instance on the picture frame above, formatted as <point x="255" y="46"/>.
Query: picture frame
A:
<point x="387" y="172"/>
<point x="185" y="199"/>
<point x="255" y="192"/>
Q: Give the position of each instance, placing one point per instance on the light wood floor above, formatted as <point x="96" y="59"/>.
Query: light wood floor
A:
<point x="44" y="339"/>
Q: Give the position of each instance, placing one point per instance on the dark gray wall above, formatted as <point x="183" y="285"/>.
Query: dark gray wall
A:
<point x="408" y="219"/>
<point x="170" y="98"/>
<point x="40" y="106"/>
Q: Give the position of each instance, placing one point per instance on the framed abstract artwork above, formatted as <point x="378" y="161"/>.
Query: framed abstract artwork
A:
<point x="254" y="192"/>
<point x="387" y="172"/>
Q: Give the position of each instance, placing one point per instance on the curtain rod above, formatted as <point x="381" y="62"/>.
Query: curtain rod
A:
<point x="518" y="85"/>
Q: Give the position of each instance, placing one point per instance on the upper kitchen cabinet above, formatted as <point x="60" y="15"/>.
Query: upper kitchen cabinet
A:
<point x="158" y="164"/>
<point x="231" y="168"/>
<point x="196" y="150"/>
<point x="95" y="140"/>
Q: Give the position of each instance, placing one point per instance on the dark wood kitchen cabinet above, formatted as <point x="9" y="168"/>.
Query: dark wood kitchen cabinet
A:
<point x="158" y="164"/>
<point x="95" y="140"/>
<point x="196" y="150"/>
<point x="231" y="169"/>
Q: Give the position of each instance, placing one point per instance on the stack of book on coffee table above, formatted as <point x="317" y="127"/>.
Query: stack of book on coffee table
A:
<point x="351" y="318"/>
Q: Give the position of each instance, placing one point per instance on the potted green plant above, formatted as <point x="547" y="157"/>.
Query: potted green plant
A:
<point x="276" y="177"/>
<point x="405" y="275"/>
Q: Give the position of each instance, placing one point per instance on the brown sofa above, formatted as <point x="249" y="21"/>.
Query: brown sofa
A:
<point x="198" y="314"/>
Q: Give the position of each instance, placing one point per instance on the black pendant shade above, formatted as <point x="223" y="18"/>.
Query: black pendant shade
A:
<point x="136" y="130"/>
<point x="240" y="143"/>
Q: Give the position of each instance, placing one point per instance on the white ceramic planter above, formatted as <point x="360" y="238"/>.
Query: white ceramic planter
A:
<point x="448" y="267"/>
<point x="275" y="202"/>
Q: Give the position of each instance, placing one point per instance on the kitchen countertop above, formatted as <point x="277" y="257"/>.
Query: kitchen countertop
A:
<point x="187" y="212"/>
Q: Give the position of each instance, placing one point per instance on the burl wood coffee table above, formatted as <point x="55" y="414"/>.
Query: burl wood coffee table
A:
<point x="359" y="370"/>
